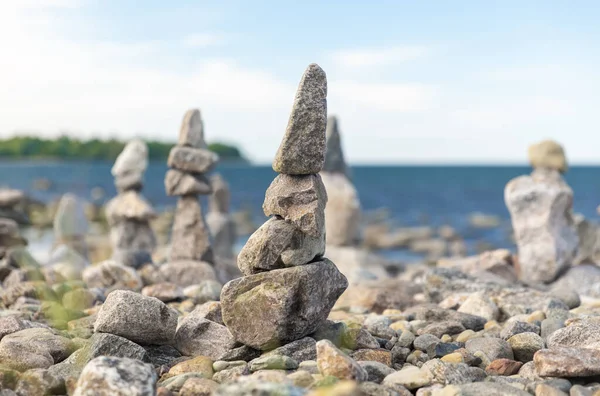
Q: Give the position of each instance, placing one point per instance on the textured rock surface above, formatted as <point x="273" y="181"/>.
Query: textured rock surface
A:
<point x="302" y="150"/>
<point x="192" y="130"/>
<point x="133" y="159"/>
<point x="182" y="183"/>
<point x="193" y="160"/>
<point x="540" y="206"/>
<point x="342" y="213"/>
<point x="580" y="334"/>
<point x="187" y="272"/>
<point x="567" y="362"/>
<point x="548" y="154"/>
<point x="583" y="278"/>
<point x="269" y="309"/>
<point x="331" y="361"/>
<point x="199" y="336"/>
<point x="334" y="155"/>
<point x="112" y="275"/>
<point x="190" y="236"/>
<point x="145" y="320"/>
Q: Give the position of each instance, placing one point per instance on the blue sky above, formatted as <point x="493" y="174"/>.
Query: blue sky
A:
<point x="411" y="82"/>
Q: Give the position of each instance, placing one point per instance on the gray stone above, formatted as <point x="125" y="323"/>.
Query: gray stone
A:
<point x="210" y="310"/>
<point x="480" y="305"/>
<point x="187" y="272"/>
<point x="220" y="199"/>
<point x="481" y="388"/>
<point x="132" y="258"/>
<point x="513" y="327"/>
<point x="129" y="205"/>
<point x="376" y="371"/>
<point x="130" y="181"/>
<point x="40" y="340"/>
<point x="258" y="387"/>
<point x="492" y="348"/>
<point x="190" y="236"/>
<point x="12" y="324"/>
<point x="278" y="244"/>
<point x="299" y="350"/>
<point x="342" y="213"/>
<point x="580" y="334"/>
<point x="206" y="291"/>
<point x="133" y="159"/>
<point x="299" y="200"/>
<point x="244" y="353"/>
<point x="183" y="183"/>
<point x="223" y="232"/>
<point x="567" y="362"/>
<point x="133" y="235"/>
<point x="116" y="376"/>
<point x="302" y="150"/>
<point x="189" y="159"/>
<point x="453" y="373"/>
<point x="111" y="275"/>
<point x="10" y="197"/>
<point x="67" y="262"/>
<point x="163" y="355"/>
<point x="39" y="382"/>
<point x="199" y="336"/>
<point x="588" y="234"/>
<point x="450" y="327"/>
<point x="165" y="292"/>
<point x="540" y="206"/>
<point x="333" y="362"/>
<point x="426" y="342"/>
<point x="70" y="220"/>
<point x="525" y="345"/>
<point x="433" y="313"/>
<point x="550" y="325"/>
<point x="273" y="308"/>
<point x="334" y="155"/>
<point x="192" y="130"/>
<point x="584" y="278"/>
<point x="144" y="320"/>
<point x="273" y="362"/>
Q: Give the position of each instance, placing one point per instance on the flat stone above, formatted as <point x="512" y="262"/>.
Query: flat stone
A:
<point x="220" y="199"/>
<point x="541" y="211"/>
<point x="165" y="292"/>
<point x="191" y="133"/>
<point x="410" y="377"/>
<point x="492" y="348"/>
<point x="525" y="345"/>
<point x="513" y="327"/>
<point x="299" y="350"/>
<point x="450" y="327"/>
<point x="144" y="320"/>
<point x="199" y="364"/>
<point x="376" y="371"/>
<point x="548" y="154"/>
<point x="334" y="155"/>
<point x="194" y="160"/>
<point x="342" y="213"/>
<point x="382" y="356"/>
<point x="133" y="235"/>
<point x="273" y="308"/>
<point x="579" y="334"/>
<point x="111" y="275"/>
<point x="133" y="158"/>
<point x="70" y="220"/>
<point x="333" y="362"/>
<point x="130" y="181"/>
<point x="190" y="238"/>
<point x="273" y="362"/>
<point x="116" y="376"/>
<point x="129" y="205"/>
<point x="187" y="272"/>
<point x="184" y="183"/>
<point x="302" y="150"/>
<point x="503" y="367"/>
<point x="199" y="336"/>
<point x="567" y="362"/>
<point x="583" y="278"/>
<point x="278" y="244"/>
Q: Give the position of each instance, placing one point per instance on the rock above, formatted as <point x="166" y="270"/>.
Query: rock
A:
<point x="10" y="197"/>
<point x="376" y="371"/>
<point x="258" y="387"/>
<point x="182" y="183"/>
<point x="513" y="327"/>
<point x="135" y="258"/>
<point x="231" y="374"/>
<point x="433" y="313"/>
<point x="550" y="325"/>
<point x="382" y="356"/>
<point x="133" y="235"/>
<point x="270" y="309"/>
<point x="131" y="181"/>
<point x="70" y="220"/>
<point x="579" y="334"/>
<point x="449" y="327"/>
<point x="299" y="350"/>
<point x="198" y="387"/>
<point x="190" y="237"/>
<point x="547" y="390"/>
<point x="480" y="388"/>
<point x="133" y="159"/>
<point x="548" y="154"/>
<point x="165" y="292"/>
<point x="342" y="213"/>
<point x="145" y="320"/>
<point x="24" y="357"/>
<point x="116" y="376"/>
<point x="220" y="199"/>
<point x="79" y="299"/>
<point x="223" y="232"/>
<point x="331" y="361"/>
<point x="210" y="310"/>
<point x="278" y="244"/>
<point x="199" y="336"/>
<point x="191" y="133"/>
<point x="243" y="353"/>
<point x="503" y="367"/>
<point x="199" y="364"/>
<point x="525" y="345"/>
<point x="479" y="304"/>
<point x="584" y="278"/>
<point x="187" y="272"/>
<point x="129" y="205"/>
<point x="453" y="373"/>
<point x="111" y="275"/>
<point x="67" y="262"/>
<point x="492" y="348"/>
<point x="302" y="150"/>
<point x="540" y="206"/>
<point x="299" y="200"/>
<point x="205" y="291"/>
<point x="39" y="382"/>
<point x="567" y="362"/>
<point x="334" y="155"/>
<point x="194" y="160"/>
<point x="410" y="377"/>
<point x="426" y="342"/>
<point x="273" y="362"/>
<point x="39" y="340"/>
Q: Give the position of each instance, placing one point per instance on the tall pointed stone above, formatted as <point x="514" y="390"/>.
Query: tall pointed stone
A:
<point x="130" y="166"/>
<point x="302" y="150"/>
<point x="192" y="130"/>
<point x="334" y="157"/>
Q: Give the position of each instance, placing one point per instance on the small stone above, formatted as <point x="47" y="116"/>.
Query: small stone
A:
<point x="244" y="353"/>
<point x="198" y="336"/>
<point x="70" y="220"/>
<point x="183" y="183"/>
<point x="145" y="320"/>
<point x="130" y="181"/>
<point x="231" y="374"/>
<point x="514" y="327"/>
<point x="525" y="345"/>
<point x="426" y="342"/>
<point x="302" y="150"/>
<point x="548" y="154"/>
<point x="440" y="328"/>
<point x="301" y="379"/>
<point x="492" y="348"/>
<point x="273" y="362"/>
<point x="547" y="390"/>
<point x="39" y="382"/>
<point x="453" y="373"/>
<point x="503" y="367"/>
<point x="480" y="305"/>
<point x="111" y="275"/>
<point x="198" y="387"/>
<point x="187" y="272"/>
<point x="222" y="228"/>
<point x="300" y="350"/>
<point x="190" y="236"/>
<point x="132" y="235"/>
<point x="550" y="325"/>
<point x="382" y="356"/>
<point x="376" y="371"/>
<point x="410" y="377"/>
<point x="581" y="334"/>
<point x="299" y="200"/>
<point x="273" y="308"/>
<point x="199" y="364"/>
<point x="194" y="160"/>
<point x="331" y="361"/>
<point x="191" y="133"/>
<point x="116" y="376"/>
<point x="79" y="299"/>
<point x="165" y="292"/>
<point x="567" y="362"/>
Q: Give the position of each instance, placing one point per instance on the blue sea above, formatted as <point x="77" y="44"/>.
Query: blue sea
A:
<point x="412" y="195"/>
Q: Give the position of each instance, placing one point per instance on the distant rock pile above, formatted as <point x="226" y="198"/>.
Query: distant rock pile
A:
<point x="540" y="206"/>
<point x="11" y="202"/>
<point x="218" y="219"/>
<point x="289" y="288"/>
<point x="71" y="224"/>
<point x="129" y="214"/>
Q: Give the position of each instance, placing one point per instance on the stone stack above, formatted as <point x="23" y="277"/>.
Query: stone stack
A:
<point x="11" y="205"/>
<point x="289" y="288"/>
<point x="218" y="219"/>
<point x="10" y="236"/>
<point x="129" y="214"/>
<point x="342" y="213"/>
<point x="540" y="206"/>
<point x="71" y="224"/>
<point x="189" y="161"/>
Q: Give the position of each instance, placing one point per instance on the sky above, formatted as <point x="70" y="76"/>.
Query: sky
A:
<point x="410" y="81"/>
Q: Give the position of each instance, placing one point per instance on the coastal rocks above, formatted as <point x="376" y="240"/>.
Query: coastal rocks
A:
<point x="199" y="336"/>
<point x="268" y="309"/>
<point x="567" y="362"/>
<point x="540" y="206"/>
<point x="334" y="154"/>
<point x="220" y="223"/>
<point x="129" y="167"/>
<point x="144" y="320"/>
<point x="333" y="362"/>
<point x="181" y="183"/>
<point x="71" y="224"/>
<point x="112" y="275"/>
<point x="190" y="236"/>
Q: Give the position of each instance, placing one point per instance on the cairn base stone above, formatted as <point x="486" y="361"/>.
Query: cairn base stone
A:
<point x="187" y="272"/>
<point x="190" y="235"/>
<point x="193" y="160"/>
<point x="270" y="309"/>
<point x="223" y="232"/>
<point x="133" y="235"/>
<point x="540" y="207"/>
<point x="178" y="183"/>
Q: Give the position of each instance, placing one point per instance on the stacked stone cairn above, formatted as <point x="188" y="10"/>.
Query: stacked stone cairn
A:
<point x="129" y="214"/>
<point x="218" y="219"/>
<point x="11" y="205"/>
<point x="342" y="214"/>
<point x="288" y="287"/>
<point x="71" y="224"/>
<point x="191" y="256"/>
<point x="540" y="206"/>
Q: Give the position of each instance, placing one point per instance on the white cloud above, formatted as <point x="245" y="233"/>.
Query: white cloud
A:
<point x="370" y="57"/>
<point x="202" y="40"/>
<point x="390" y="97"/>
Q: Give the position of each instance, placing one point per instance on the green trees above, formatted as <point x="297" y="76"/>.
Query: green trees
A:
<point x="66" y="148"/>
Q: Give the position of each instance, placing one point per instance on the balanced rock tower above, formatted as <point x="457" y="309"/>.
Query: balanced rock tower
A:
<point x="288" y="287"/>
<point x="342" y="214"/>
<point x="218" y="219"/>
<point x="191" y="255"/>
<point x="71" y="224"/>
<point x="129" y="214"/>
<point x="540" y="206"/>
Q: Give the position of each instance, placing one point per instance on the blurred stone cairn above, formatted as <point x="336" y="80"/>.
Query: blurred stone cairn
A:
<point x="11" y="205"/>
<point x="191" y="259"/>
<point x="129" y="214"/>
<point x="540" y="206"/>
<point x="219" y="221"/>
<point x="288" y="287"/>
